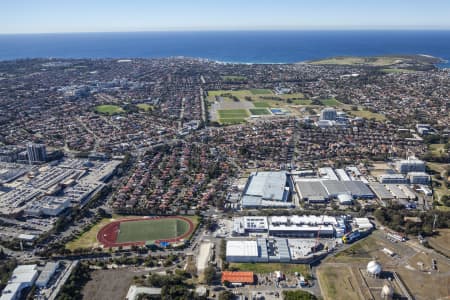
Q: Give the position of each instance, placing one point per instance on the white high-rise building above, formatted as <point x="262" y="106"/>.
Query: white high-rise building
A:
<point x="36" y="152"/>
<point x="328" y="114"/>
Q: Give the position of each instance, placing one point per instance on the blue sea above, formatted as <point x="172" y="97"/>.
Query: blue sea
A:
<point x="227" y="46"/>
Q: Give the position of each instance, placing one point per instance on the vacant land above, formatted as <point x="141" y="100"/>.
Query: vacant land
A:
<point x="109" y="109"/>
<point x="340" y="276"/>
<point x="259" y="111"/>
<point x="110" y="284"/>
<point x="441" y="242"/>
<point x="337" y="282"/>
<point x="150" y="230"/>
<point x="368" y="115"/>
<point x="265" y="268"/>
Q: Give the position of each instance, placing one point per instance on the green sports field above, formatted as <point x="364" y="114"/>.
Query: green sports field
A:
<point x="109" y="109"/>
<point x="259" y="111"/>
<point x="150" y="230"/>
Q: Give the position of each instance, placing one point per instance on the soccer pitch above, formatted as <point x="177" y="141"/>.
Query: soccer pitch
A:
<point x="151" y="230"/>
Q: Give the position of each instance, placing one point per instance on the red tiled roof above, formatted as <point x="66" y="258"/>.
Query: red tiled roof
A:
<point x="238" y="277"/>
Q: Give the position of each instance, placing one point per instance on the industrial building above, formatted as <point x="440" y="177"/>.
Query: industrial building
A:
<point x="411" y="164"/>
<point x="250" y="224"/>
<point x="238" y="277"/>
<point x="274" y="250"/>
<point x="320" y="190"/>
<point x="22" y="277"/>
<point x="302" y="226"/>
<point x="328" y="114"/>
<point x="290" y="226"/>
<point x="392" y="179"/>
<point x="247" y="251"/>
<point x="47" y="274"/>
<point x="267" y="189"/>
<point x="381" y="191"/>
<point x="419" y="178"/>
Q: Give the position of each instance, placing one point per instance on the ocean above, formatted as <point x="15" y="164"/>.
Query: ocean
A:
<point x="227" y="46"/>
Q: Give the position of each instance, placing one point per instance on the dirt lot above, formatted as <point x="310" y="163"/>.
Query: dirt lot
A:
<point x="110" y="284"/>
<point x="340" y="276"/>
<point x="441" y="242"/>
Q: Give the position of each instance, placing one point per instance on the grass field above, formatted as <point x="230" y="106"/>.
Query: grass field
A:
<point x="437" y="149"/>
<point x="395" y="71"/>
<point x="261" y="104"/>
<point x="233" y="78"/>
<point x="330" y="102"/>
<point x="301" y="102"/>
<point x="89" y="238"/>
<point x="265" y="268"/>
<point x="442" y="190"/>
<point x="261" y="92"/>
<point x="145" y="106"/>
<point x="150" y="230"/>
<point x="352" y="60"/>
<point x="368" y="115"/>
<point x="232" y="116"/>
<point x="109" y="109"/>
<point x="259" y="111"/>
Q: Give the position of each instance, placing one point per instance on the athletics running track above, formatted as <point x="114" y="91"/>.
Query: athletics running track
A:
<point x="107" y="236"/>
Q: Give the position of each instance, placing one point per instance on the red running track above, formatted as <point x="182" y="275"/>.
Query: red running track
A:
<point x="107" y="236"/>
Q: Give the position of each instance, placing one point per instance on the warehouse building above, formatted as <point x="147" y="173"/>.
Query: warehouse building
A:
<point x="47" y="274"/>
<point x="245" y="251"/>
<point x="410" y="165"/>
<point x="278" y="250"/>
<point x="302" y="226"/>
<point x="319" y="190"/>
<point x="419" y="178"/>
<point x="311" y="191"/>
<point x="250" y="224"/>
<point x="380" y="191"/>
<point x="267" y="189"/>
<point x="22" y="277"/>
<point x="392" y="179"/>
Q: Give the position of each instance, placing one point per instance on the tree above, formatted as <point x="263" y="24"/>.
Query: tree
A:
<point x="226" y="295"/>
<point x="298" y="295"/>
<point x="210" y="274"/>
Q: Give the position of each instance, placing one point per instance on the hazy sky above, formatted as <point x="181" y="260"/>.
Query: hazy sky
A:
<point x="33" y="16"/>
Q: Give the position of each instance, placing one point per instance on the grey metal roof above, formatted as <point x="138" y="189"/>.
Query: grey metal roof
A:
<point x="251" y="201"/>
<point x="283" y="249"/>
<point x="381" y="191"/>
<point x="358" y="188"/>
<point x="268" y="185"/>
<point x="314" y="189"/>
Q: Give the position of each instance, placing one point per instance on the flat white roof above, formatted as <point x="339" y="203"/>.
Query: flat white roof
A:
<point x="242" y="248"/>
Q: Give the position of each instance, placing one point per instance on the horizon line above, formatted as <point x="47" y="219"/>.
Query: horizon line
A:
<point x="179" y="30"/>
